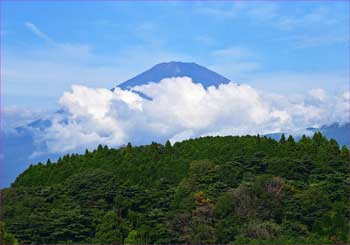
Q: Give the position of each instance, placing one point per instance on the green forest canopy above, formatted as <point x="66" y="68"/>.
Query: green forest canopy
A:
<point x="246" y="189"/>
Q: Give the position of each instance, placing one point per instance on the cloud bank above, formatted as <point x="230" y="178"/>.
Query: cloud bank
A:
<point x="180" y="109"/>
<point x="14" y="116"/>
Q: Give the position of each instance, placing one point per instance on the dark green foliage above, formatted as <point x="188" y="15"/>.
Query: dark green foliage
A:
<point x="283" y="139"/>
<point x="208" y="190"/>
<point x="110" y="229"/>
<point x="6" y="237"/>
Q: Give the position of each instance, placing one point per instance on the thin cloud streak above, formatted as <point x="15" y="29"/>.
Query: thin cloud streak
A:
<point x="34" y="29"/>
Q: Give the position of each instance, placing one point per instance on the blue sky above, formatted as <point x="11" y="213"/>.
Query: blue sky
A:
<point x="285" y="47"/>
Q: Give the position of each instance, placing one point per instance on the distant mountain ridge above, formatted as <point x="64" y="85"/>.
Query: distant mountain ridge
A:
<point x="198" y="74"/>
<point x="337" y="131"/>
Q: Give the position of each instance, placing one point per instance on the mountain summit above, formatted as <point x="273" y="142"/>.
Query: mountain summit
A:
<point x="199" y="74"/>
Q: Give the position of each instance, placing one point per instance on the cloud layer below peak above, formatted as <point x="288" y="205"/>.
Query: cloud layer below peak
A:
<point x="180" y="109"/>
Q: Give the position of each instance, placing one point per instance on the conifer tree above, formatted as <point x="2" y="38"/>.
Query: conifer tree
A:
<point x="283" y="139"/>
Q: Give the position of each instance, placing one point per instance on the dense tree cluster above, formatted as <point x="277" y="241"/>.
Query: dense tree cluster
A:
<point x="5" y="236"/>
<point x="247" y="189"/>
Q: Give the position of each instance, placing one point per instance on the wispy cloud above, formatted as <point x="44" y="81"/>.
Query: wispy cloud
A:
<point x="288" y="82"/>
<point x="50" y="69"/>
<point x="234" y="61"/>
<point x="269" y="13"/>
<point x="304" y="26"/>
<point x="306" y="41"/>
<point x="204" y="39"/>
<point x="233" y="10"/>
<point x="233" y="53"/>
<point x="67" y="49"/>
<point x="319" y="16"/>
<point x="34" y="29"/>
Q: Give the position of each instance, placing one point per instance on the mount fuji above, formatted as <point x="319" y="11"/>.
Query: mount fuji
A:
<point x="198" y="74"/>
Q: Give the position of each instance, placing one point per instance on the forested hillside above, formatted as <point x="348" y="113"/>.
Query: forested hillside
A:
<point x="247" y="189"/>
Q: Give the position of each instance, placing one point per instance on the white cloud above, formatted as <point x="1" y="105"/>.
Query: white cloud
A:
<point x="226" y="11"/>
<point x="233" y="52"/>
<point x="33" y="28"/>
<point x="317" y="16"/>
<point x="180" y="109"/>
<point x="264" y="11"/>
<point x="234" y="61"/>
<point x="341" y="109"/>
<point x="14" y="116"/>
<point x="311" y="40"/>
<point x="318" y="94"/>
<point x="288" y="82"/>
<point x="270" y="13"/>
<point x="307" y="24"/>
<point x="204" y="40"/>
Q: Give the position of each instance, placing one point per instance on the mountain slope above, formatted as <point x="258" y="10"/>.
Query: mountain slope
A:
<point x="199" y="74"/>
<point x="211" y="190"/>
